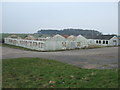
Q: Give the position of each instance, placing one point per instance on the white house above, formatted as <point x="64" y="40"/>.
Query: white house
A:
<point x="81" y="41"/>
<point x="71" y="42"/>
<point x="56" y="42"/>
<point x="104" y="40"/>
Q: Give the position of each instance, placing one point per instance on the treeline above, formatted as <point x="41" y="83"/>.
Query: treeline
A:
<point x="86" y="33"/>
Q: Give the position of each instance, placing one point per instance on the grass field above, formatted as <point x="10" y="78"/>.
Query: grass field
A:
<point x="42" y="73"/>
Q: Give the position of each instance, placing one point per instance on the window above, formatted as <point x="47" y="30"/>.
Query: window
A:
<point x="114" y="41"/>
<point x="34" y="43"/>
<point x="26" y="42"/>
<point x="99" y="42"/>
<point x="30" y="43"/>
<point x="106" y="42"/>
<point x="64" y="44"/>
<point x="41" y="45"/>
<point x="78" y="44"/>
<point x="103" y="42"/>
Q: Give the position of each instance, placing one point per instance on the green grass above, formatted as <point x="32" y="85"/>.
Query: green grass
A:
<point x="42" y="73"/>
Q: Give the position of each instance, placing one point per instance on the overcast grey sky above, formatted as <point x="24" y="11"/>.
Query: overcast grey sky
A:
<point x="28" y="17"/>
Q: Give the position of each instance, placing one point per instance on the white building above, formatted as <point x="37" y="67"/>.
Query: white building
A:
<point x="59" y="42"/>
<point x="56" y="42"/>
<point x="104" y="40"/>
<point x="81" y="41"/>
<point x="71" y="42"/>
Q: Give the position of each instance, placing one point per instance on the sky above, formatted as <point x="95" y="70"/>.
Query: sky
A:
<point x="29" y="17"/>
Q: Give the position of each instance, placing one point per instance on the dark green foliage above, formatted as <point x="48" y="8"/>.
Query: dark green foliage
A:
<point x="86" y="33"/>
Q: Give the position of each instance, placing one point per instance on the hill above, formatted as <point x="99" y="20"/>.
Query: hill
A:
<point x="75" y="32"/>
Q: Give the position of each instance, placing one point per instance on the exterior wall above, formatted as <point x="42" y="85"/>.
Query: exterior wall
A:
<point x="55" y="45"/>
<point x="81" y="42"/>
<point x="71" y="42"/>
<point x="112" y="43"/>
<point x="91" y="42"/>
<point x="31" y="44"/>
<point x="58" y="42"/>
<point x="119" y="40"/>
<point x="104" y="42"/>
<point x="101" y="42"/>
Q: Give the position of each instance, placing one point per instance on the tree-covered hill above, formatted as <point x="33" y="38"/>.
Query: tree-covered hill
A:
<point x="75" y="32"/>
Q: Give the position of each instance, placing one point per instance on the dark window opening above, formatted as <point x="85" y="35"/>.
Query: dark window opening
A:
<point x="99" y="42"/>
<point x="106" y="42"/>
<point x="103" y="42"/>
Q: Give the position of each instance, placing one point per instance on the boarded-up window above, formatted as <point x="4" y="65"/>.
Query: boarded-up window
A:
<point x="114" y="41"/>
<point x="78" y="44"/>
<point x="41" y="45"/>
<point x="30" y="43"/>
<point x="26" y="42"/>
<point x="35" y="43"/>
<point x="64" y="44"/>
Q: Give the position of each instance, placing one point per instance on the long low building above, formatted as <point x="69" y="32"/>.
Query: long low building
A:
<point x="104" y="40"/>
<point x="59" y="42"/>
<point x="56" y="42"/>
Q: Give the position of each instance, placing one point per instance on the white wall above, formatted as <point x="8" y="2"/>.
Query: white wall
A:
<point x="31" y="44"/>
<point x="110" y="42"/>
<point x="55" y="43"/>
<point x="83" y="41"/>
<point x="58" y="42"/>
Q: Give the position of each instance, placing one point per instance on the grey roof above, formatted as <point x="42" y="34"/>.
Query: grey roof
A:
<point x="102" y="37"/>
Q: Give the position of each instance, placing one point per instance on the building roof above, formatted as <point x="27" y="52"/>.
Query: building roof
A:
<point x="30" y="37"/>
<point x="71" y="37"/>
<point x="103" y="37"/>
<point x="65" y="36"/>
<point x="12" y="36"/>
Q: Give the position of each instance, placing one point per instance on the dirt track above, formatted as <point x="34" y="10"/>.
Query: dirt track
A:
<point x="102" y="58"/>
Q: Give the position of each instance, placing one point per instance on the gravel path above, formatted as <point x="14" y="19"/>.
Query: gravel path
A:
<point x="101" y="58"/>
